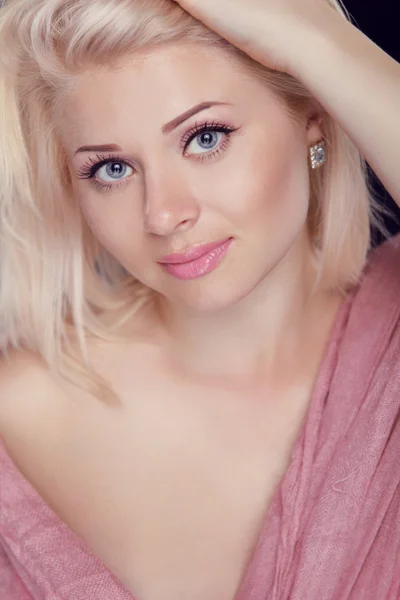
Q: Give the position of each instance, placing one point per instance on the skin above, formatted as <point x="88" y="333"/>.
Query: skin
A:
<point x="255" y="190"/>
<point x="201" y="416"/>
<point x="219" y="418"/>
<point x="285" y="34"/>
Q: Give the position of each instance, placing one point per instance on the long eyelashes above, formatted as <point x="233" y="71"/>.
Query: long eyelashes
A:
<point x="199" y="128"/>
<point x="90" y="169"/>
<point x="93" y="165"/>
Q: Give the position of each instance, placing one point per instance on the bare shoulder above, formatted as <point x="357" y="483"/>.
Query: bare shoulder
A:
<point x="42" y="415"/>
<point x="23" y="375"/>
<point x="30" y="399"/>
<point x="20" y="368"/>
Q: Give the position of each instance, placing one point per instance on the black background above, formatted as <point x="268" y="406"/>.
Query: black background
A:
<point x="379" y="20"/>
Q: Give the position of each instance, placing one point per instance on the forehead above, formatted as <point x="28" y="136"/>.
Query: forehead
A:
<point x="153" y="87"/>
<point x="168" y="71"/>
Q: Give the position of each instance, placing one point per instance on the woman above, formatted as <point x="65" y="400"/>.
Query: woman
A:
<point x="199" y="395"/>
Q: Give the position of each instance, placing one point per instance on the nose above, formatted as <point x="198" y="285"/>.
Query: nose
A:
<point x="169" y="206"/>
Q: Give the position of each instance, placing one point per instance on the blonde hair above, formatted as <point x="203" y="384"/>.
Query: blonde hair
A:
<point x="56" y="282"/>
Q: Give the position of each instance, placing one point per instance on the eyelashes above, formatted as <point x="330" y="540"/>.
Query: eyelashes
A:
<point x="92" y="167"/>
<point x="200" y="128"/>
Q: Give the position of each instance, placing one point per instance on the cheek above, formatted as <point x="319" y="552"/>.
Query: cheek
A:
<point x="116" y="228"/>
<point x="270" y="188"/>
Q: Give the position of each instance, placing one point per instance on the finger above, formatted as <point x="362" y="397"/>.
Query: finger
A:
<point x="199" y="10"/>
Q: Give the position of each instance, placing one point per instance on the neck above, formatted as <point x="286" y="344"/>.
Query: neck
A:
<point x="267" y="336"/>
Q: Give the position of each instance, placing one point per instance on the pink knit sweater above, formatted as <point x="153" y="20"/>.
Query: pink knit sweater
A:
<point x="333" y="529"/>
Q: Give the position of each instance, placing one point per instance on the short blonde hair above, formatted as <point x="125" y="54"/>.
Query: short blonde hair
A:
<point x="56" y="282"/>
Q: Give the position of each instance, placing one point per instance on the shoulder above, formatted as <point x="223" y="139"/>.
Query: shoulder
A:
<point x="372" y="325"/>
<point x="19" y="369"/>
<point x="31" y="402"/>
<point x="380" y="281"/>
<point x="22" y="376"/>
<point x="385" y="256"/>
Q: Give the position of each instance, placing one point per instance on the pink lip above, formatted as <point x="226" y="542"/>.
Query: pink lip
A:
<point x="197" y="261"/>
<point x="192" y="253"/>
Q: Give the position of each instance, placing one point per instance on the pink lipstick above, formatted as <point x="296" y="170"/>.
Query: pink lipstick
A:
<point x="196" y="261"/>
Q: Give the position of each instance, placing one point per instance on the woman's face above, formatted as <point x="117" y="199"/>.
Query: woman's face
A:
<point x="232" y="171"/>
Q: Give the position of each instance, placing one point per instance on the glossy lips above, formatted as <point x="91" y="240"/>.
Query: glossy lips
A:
<point x="197" y="261"/>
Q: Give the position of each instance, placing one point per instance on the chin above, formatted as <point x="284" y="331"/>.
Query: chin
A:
<point x="211" y="297"/>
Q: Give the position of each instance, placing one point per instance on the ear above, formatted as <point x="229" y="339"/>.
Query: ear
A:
<point x="314" y="124"/>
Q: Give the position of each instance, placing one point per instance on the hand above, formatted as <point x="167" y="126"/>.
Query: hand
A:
<point x="272" y="32"/>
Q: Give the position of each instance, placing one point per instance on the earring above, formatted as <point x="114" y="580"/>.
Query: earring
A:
<point x="317" y="154"/>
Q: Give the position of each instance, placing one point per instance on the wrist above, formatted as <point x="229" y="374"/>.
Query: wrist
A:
<point x="315" y="44"/>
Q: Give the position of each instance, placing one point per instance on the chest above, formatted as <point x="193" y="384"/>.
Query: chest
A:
<point x="170" y="493"/>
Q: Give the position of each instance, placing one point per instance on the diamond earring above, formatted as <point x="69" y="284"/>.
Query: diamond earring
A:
<point x="317" y="154"/>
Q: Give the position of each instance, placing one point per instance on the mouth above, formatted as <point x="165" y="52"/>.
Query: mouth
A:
<point x="197" y="261"/>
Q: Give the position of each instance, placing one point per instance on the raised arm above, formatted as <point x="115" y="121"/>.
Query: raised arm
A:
<point x="352" y="78"/>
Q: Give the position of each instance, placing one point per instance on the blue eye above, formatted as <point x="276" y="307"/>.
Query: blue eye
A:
<point x="113" y="171"/>
<point x="207" y="137"/>
<point x="207" y="140"/>
<point x="105" y="173"/>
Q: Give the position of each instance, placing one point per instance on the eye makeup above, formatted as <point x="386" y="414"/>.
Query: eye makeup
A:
<point x="199" y="128"/>
<point x="91" y="168"/>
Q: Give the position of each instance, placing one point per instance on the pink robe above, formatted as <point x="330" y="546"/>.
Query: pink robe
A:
<point x="332" y="531"/>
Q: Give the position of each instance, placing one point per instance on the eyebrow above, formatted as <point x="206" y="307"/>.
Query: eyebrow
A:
<point x="166" y="129"/>
<point x="101" y="148"/>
